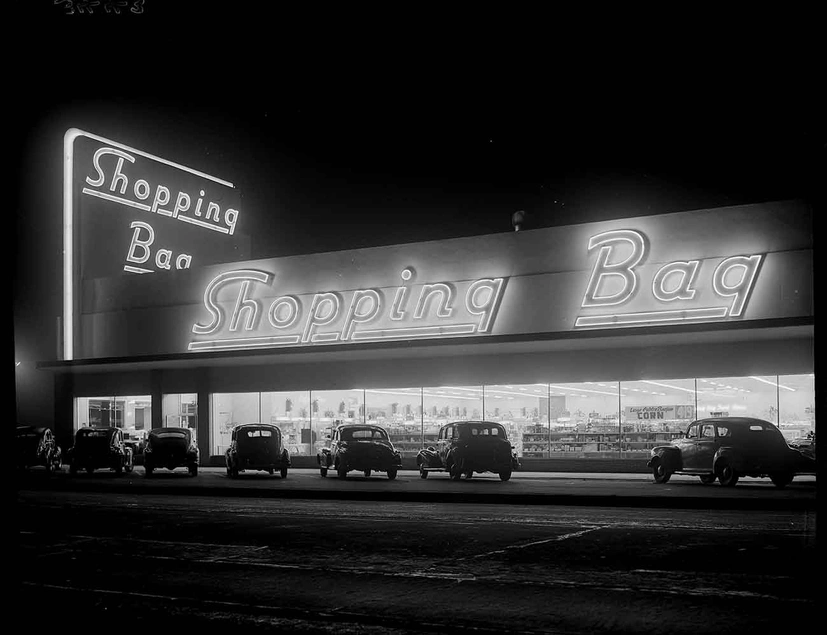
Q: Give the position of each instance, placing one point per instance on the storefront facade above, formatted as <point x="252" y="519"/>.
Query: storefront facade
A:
<point x="593" y="340"/>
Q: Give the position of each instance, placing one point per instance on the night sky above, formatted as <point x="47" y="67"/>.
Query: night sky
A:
<point x="355" y="130"/>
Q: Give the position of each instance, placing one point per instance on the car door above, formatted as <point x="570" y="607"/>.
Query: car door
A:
<point x="445" y="437"/>
<point x="706" y="446"/>
<point x="334" y="446"/>
<point x="689" y="446"/>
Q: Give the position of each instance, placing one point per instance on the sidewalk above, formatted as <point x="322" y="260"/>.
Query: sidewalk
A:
<point x="524" y="488"/>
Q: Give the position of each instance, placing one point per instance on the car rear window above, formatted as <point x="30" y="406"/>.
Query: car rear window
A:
<point x="367" y="434"/>
<point x="482" y="431"/>
<point x="165" y="435"/>
<point x="258" y="433"/>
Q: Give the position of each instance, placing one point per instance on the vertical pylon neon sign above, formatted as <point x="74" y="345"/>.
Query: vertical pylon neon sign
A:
<point x="619" y="257"/>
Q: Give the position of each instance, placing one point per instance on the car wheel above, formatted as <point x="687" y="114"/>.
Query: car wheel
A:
<point x="229" y="472"/>
<point x="727" y="474"/>
<point x="469" y="474"/>
<point x="391" y="474"/>
<point x="782" y="479"/>
<point x="707" y="479"/>
<point x="661" y="474"/>
<point x="148" y="471"/>
<point x="283" y="472"/>
<point x="455" y="472"/>
<point x="233" y="472"/>
<point x="73" y="469"/>
<point x="90" y="470"/>
<point x="323" y="471"/>
<point x="119" y="469"/>
<point x="193" y="470"/>
<point x="504" y="476"/>
<point x="341" y="470"/>
<point x="423" y="473"/>
<point x="49" y="466"/>
<point x="367" y="473"/>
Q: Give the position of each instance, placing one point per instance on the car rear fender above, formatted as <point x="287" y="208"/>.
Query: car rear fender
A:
<point x="668" y="456"/>
<point x="428" y="457"/>
<point x="728" y="454"/>
<point x="324" y="457"/>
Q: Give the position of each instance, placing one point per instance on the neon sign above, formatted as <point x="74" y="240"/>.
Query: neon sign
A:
<point x="238" y="319"/>
<point x="616" y="276"/>
<point x="121" y="208"/>
<point x="138" y="196"/>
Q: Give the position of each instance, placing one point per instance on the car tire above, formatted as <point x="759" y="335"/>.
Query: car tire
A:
<point x="341" y="470"/>
<point x="707" y="479"/>
<point x="323" y="472"/>
<point x="148" y="471"/>
<point x="367" y="473"/>
<point x="423" y="473"/>
<point x="283" y="472"/>
<point x="233" y="472"/>
<point x="193" y="470"/>
<point x="391" y="474"/>
<point x="727" y="475"/>
<point x="469" y="474"/>
<point x="661" y="474"/>
<point x="119" y="469"/>
<point x="504" y="476"/>
<point x="90" y="470"/>
<point x="455" y="471"/>
<point x="73" y="469"/>
<point x="270" y="471"/>
<point x="229" y="472"/>
<point x="782" y="479"/>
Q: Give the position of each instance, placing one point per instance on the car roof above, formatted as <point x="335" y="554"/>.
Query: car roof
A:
<point x="362" y="426"/>
<point x="168" y="429"/>
<point x="268" y="426"/>
<point x="39" y="429"/>
<point x="473" y="421"/>
<point x="735" y="421"/>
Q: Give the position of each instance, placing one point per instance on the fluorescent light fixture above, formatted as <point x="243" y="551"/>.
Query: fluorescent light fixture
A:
<point x="670" y="387"/>
<point x="772" y="383"/>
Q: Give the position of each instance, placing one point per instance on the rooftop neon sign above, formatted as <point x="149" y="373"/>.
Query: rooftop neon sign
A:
<point x="240" y="317"/>
<point x="101" y="198"/>
<point x="615" y="283"/>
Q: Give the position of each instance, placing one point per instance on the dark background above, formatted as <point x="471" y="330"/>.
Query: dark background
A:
<point x="347" y="128"/>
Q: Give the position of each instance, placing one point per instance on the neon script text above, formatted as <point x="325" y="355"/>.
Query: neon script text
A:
<point x="615" y="281"/>
<point x="432" y="310"/>
<point x="139" y="194"/>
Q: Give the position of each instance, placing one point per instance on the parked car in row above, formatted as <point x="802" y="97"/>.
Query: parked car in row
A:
<point x="170" y="448"/>
<point x="727" y="448"/>
<point x="36" y="446"/>
<point x="99" y="448"/>
<point x="257" y="447"/>
<point x="465" y="447"/>
<point x="362" y="447"/>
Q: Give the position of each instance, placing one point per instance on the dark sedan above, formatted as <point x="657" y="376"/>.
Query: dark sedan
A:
<point x="363" y="447"/>
<point x="727" y="448"/>
<point x="99" y="448"/>
<point x="36" y="446"/>
<point x="465" y="447"/>
<point x="170" y="448"/>
<point x="257" y="447"/>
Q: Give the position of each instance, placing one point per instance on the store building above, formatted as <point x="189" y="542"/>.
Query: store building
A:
<point x="590" y="340"/>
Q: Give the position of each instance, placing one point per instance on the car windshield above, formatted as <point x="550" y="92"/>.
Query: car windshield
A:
<point x="476" y="430"/>
<point x="364" y="434"/>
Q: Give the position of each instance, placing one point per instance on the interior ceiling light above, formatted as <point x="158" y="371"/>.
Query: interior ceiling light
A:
<point x="772" y="383"/>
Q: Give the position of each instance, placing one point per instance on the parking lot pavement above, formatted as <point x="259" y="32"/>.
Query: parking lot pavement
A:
<point x="530" y="488"/>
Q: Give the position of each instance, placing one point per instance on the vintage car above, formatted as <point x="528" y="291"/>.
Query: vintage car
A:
<point x="257" y="446"/>
<point x="36" y="446"/>
<point x="99" y="448"/>
<point x="465" y="447"/>
<point x="363" y="447"/>
<point x="727" y="448"/>
<point x="170" y="448"/>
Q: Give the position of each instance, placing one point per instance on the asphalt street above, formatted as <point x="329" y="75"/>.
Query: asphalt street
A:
<point x="138" y="555"/>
